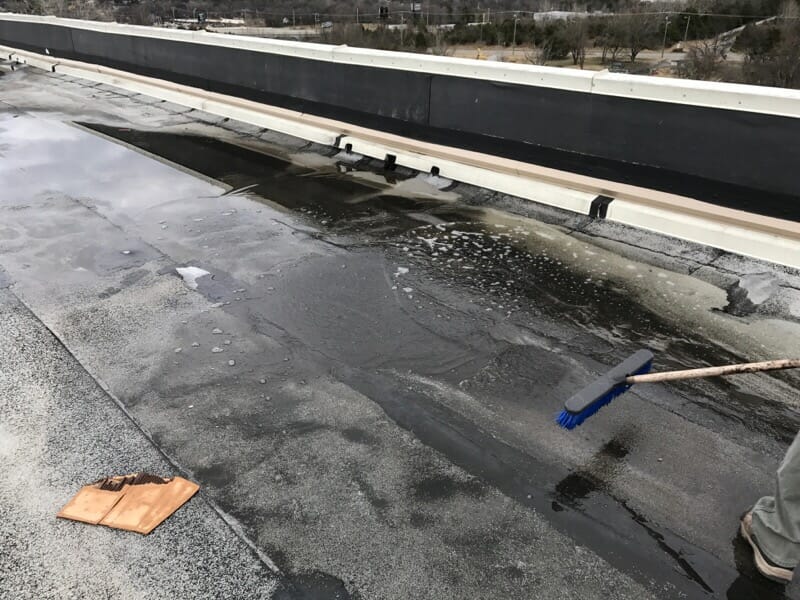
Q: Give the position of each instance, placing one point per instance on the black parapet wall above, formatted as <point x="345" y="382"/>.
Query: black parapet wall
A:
<point x="735" y="158"/>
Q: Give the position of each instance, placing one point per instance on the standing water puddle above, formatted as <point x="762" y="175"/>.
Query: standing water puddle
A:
<point x="522" y="281"/>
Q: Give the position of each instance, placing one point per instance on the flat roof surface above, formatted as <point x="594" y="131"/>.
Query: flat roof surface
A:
<point x="364" y="383"/>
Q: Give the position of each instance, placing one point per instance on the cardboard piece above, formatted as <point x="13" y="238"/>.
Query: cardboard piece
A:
<point x="137" y="502"/>
<point x="90" y="505"/>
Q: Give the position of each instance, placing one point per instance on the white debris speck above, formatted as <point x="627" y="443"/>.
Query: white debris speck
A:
<point x="126" y="252"/>
<point x="195" y="344"/>
<point x="198" y="219"/>
<point x="401" y="271"/>
<point x="759" y="287"/>
<point x="262" y="381"/>
<point x="231" y="363"/>
<point x="408" y="290"/>
<point x="191" y="406"/>
<point x="191" y="275"/>
<point x="227" y="342"/>
<point x="178" y="350"/>
<point x="216" y="331"/>
<point x="217" y="350"/>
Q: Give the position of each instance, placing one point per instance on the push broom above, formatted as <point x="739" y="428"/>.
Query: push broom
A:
<point x="636" y="369"/>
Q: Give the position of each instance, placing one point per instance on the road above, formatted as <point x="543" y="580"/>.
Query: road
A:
<point x="366" y="379"/>
<point x="644" y="60"/>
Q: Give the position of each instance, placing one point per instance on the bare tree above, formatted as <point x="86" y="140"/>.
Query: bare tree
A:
<point x="639" y="31"/>
<point x="611" y="40"/>
<point x="576" y="38"/>
<point x="704" y="60"/>
<point x="541" y="54"/>
<point x="772" y="51"/>
<point x="440" y="46"/>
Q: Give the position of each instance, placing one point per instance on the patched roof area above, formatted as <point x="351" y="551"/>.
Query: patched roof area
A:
<point x="361" y="370"/>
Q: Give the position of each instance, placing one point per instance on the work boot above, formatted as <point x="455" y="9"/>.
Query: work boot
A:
<point x="764" y="565"/>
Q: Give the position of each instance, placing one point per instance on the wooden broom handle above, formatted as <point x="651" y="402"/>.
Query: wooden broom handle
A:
<point x="769" y="365"/>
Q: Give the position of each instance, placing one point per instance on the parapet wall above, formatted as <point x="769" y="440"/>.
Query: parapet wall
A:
<point x="732" y="145"/>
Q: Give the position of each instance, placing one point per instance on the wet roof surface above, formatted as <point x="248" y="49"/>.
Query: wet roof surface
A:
<point x="367" y="378"/>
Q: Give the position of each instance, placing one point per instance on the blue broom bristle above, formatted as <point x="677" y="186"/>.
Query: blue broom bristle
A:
<point x="569" y="420"/>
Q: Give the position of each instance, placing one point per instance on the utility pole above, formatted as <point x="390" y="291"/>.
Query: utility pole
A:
<point x="292" y="17"/>
<point x="664" y="44"/>
<point x="357" y="21"/>
<point x="686" y="33"/>
<point x="514" y="38"/>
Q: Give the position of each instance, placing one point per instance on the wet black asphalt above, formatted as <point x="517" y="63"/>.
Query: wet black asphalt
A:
<point x="431" y="297"/>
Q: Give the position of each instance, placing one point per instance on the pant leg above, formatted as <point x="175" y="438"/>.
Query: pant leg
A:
<point x="776" y="519"/>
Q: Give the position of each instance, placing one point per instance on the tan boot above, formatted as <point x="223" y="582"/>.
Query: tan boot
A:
<point x="764" y="565"/>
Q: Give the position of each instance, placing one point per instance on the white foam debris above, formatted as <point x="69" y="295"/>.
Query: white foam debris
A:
<point x="408" y="290"/>
<point x="216" y="331"/>
<point x="231" y="363"/>
<point x="178" y="350"/>
<point x="195" y="344"/>
<point x="430" y="241"/>
<point x="191" y="275"/>
<point x="217" y="350"/>
<point x="126" y="252"/>
<point x="401" y="271"/>
<point x="759" y="286"/>
<point x="438" y="182"/>
<point x="348" y="157"/>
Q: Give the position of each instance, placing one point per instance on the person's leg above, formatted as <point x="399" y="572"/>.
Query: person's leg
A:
<point x="775" y="521"/>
